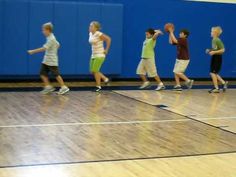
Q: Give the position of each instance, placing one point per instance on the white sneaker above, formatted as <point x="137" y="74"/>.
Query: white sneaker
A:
<point x="160" y="87"/>
<point x="107" y="81"/>
<point x="63" y="90"/>
<point x="47" y="90"/>
<point x="145" y="85"/>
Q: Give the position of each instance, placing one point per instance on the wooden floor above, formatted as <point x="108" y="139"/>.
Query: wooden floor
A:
<point x="118" y="133"/>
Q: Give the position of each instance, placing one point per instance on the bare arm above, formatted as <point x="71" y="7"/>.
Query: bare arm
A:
<point x="172" y="38"/>
<point x="217" y="52"/>
<point x="38" y="50"/>
<point x="157" y="34"/>
<point x="107" y="39"/>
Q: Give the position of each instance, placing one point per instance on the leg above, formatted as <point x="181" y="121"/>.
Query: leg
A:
<point x="214" y="80"/>
<point x="45" y="80"/>
<point x="220" y="79"/>
<point x="60" y="81"/>
<point x="143" y="77"/>
<point x="44" y="75"/>
<point x="103" y="77"/>
<point x="177" y="80"/>
<point x="158" y="79"/>
<point x="97" y="77"/>
<point x="183" y="76"/>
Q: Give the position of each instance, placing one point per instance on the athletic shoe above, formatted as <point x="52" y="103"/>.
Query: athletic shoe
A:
<point x="145" y="85"/>
<point x="107" y="81"/>
<point x="189" y="84"/>
<point x="160" y="87"/>
<point x="98" y="89"/>
<point x="47" y="90"/>
<point x="214" y="90"/>
<point x="225" y="86"/>
<point x="177" y="88"/>
<point x="63" y="90"/>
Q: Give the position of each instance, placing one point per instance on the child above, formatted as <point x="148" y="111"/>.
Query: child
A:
<point x="182" y="60"/>
<point x="96" y="39"/>
<point x="216" y="60"/>
<point x="147" y="64"/>
<point x="50" y="61"/>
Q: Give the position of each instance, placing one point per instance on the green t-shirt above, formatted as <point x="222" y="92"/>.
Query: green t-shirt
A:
<point x="148" y="49"/>
<point x="217" y="44"/>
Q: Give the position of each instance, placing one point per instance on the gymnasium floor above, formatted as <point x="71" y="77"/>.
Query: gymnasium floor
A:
<point x="122" y="132"/>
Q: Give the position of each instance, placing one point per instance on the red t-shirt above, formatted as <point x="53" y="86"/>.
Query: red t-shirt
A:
<point x="182" y="49"/>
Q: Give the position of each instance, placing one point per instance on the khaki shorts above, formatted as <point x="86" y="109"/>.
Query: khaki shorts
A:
<point x="180" y="66"/>
<point x="147" y="66"/>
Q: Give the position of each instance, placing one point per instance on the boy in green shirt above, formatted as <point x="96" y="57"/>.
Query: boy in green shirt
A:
<point x="216" y="61"/>
<point x="147" y="64"/>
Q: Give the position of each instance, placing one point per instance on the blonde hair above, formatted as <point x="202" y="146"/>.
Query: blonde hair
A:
<point x="48" y="26"/>
<point x="96" y="24"/>
<point x="217" y="29"/>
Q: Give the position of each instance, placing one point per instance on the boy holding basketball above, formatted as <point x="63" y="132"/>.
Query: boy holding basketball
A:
<point x="147" y="64"/>
<point x="50" y="61"/>
<point x="216" y="59"/>
<point x="183" y="59"/>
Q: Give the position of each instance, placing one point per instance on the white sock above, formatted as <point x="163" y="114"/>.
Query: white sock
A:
<point x="161" y="84"/>
<point x="106" y="80"/>
<point x="64" y="87"/>
<point x="48" y="86"/>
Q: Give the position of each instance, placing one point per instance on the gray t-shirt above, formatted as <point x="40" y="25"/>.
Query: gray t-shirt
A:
<point x="52" y="45"/>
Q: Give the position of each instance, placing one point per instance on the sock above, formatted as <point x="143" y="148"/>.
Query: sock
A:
<point x="48" y="86"/>
<point x="106" y="80"/>
<point x="161" y="84"/>
<point x="64" y="87"/>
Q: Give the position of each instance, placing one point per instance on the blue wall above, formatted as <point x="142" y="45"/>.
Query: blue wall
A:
<point x="126" y="26"/>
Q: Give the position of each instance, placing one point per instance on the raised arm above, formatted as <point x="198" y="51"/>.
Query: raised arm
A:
<point x="107" y="40"/>
<point x="172" y="38"/>
<point x="38" y="50"/>
<point x="157" y="34"/>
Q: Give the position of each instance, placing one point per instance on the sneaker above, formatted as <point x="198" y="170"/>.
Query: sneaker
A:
<point x="107" y="81"/>
<point x="47" y="90"/>
<point x="98" y="89"/>
<point x="145" y="85"/>
<point x="160" y="87"/>
<point x="177" y="88"/>
<point x="63" y="90"/>
<point x="214" y="90"/>
<point x="225" y="86"/>
<point x="189" y="84"/>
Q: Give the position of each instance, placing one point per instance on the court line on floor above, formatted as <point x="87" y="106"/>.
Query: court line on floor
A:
<point x="93" y="123"/>
<point x="172" y="111"/>
<point x="117" y="160"/>
<point x="211" y="118"/>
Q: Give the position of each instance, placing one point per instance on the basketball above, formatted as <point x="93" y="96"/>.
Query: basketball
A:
<point x="168" y="26"/>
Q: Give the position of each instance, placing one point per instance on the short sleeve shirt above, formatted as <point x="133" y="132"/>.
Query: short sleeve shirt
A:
<point x="182" y="49"/>
<point x="51" y="46"/>
<point x="148" y="51"/>
<point x="217" y="44"/>
<point x="97" y="44"/>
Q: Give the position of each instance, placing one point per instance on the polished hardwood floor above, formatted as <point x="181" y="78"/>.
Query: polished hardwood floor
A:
<point x="117" y="133"/>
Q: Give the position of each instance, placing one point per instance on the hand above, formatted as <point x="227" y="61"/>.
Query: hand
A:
<point x="171" y="30"/>
<point x="207" y="51"/>
<point x="31" y="52"/>
<point x="158" y="32"/>
<point x="105" y="52"/>
<point x="212" y="53"/>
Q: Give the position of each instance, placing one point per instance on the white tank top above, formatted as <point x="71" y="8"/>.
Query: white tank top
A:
<point x="97" y="44"/>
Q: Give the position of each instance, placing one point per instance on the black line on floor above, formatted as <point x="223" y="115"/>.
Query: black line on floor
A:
<point x="118" y="160"/>
<point x="196" y="120"/>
